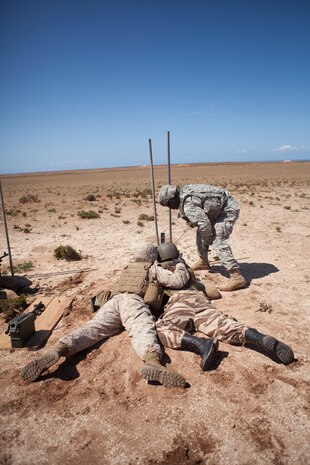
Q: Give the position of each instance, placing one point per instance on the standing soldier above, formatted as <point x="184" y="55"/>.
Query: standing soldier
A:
<point x="214" y="212"/>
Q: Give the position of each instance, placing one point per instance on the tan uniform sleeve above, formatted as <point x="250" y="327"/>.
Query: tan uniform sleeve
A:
<point x="172" y="279"/>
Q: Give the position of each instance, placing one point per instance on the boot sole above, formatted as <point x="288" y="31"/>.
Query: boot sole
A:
<point x="277" y="348"/>
<point x="33" y="370"/>
<point x="163" y="376"/>
<point x="209" y="357"/>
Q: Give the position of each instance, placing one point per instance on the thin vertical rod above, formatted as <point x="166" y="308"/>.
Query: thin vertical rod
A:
<point x="6" y="230"/>
<point x="153" y="191"/>
<point x="169" y="182"/>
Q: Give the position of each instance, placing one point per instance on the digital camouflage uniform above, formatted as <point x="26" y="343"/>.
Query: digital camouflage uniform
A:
<point x="214" y="212"/>
<point x="190" y="310"/>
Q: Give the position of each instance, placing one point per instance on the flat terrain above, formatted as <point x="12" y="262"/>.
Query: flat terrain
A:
<point x="94" y="408"/>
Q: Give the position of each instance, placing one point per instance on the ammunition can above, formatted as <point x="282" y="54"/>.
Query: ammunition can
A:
<point x="21" y="329"/>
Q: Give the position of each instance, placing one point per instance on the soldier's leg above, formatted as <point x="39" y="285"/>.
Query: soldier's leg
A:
<point x="177" y="320"/>
<point x="140" y="325"/>
<point x="203" y="250"/>
<point x="175" y="326"/>
<point x="169" y="333"/>
<point x="223" y="229"/>
<point x="106" y="323"/>
<point x="213" y="323"/>
<point x="269" y="344"/>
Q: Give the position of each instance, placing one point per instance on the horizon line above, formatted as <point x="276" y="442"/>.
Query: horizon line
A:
<point x="129" y="167"/>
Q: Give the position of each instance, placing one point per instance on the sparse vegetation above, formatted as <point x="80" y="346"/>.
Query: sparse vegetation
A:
<point x="11" y="308"/>
<point x="144" y="217"/>
<point x="23" y="267"/>
<point x="13" y="212"/>
<point x="66" y="252"/>
<point x="90" y="198"/>
<point x="88" y="214"/>
<point x="26" y="229"/>
<point x="263" y="307"/>
<point x="29" y="198"/>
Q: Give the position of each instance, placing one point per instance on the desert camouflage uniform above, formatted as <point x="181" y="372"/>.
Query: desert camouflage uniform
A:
<point x="123" y="311"/>
<point x="214" y="212"/>
<point x="129" y="312"/>
<point x="190" y="311"/>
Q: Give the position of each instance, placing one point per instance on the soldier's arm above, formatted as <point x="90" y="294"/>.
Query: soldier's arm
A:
<point x="174" y="279"/>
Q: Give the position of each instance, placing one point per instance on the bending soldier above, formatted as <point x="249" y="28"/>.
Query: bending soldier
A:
<point x="214" y="212"/>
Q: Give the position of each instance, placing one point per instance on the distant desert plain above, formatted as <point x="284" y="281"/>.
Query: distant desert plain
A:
<point x="94" y="408"/>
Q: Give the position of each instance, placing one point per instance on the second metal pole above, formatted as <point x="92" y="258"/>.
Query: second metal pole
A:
<point x="169" y="182"/>
<point x="153" y="190"/>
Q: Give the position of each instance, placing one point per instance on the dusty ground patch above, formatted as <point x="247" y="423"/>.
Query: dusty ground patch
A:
<point x="94" y="408"/>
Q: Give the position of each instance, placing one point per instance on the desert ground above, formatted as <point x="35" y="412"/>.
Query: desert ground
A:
<point x="94" y="408"/>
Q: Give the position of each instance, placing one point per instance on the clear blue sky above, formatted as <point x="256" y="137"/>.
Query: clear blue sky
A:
<point x="86" y="83"/>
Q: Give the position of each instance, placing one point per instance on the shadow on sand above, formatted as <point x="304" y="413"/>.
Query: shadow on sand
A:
<point x="250" y="271"/>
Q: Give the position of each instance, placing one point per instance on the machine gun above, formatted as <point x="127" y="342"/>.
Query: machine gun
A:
<point x="5" y="254"/>
<point x="21" y="328"/>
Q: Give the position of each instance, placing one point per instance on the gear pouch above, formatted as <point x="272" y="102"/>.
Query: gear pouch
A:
<point x="100" y="299"/>
<point x="153" y="296"/>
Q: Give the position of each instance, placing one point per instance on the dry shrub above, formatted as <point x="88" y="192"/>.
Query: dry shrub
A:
<point x="66" y="252"/>
<point x="90" y="198"/>
<point x="89" y="214"/>
<point x="29" y="198"/>
<point x="11" y="308"/>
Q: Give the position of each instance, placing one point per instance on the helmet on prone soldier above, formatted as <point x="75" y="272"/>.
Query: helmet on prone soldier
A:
<point x="167" y="251"/>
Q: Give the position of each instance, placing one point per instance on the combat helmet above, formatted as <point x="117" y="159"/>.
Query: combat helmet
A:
<point x="167" y="251"/>
<point x="166" y="193"/>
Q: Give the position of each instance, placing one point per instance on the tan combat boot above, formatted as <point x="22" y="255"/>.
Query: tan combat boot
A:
<point x="211" y="290"/>
<point x="153" y="370"/>
<point x="236" y="281"/>
<point x="201" y="264"/>
<point x="33" y="370"/>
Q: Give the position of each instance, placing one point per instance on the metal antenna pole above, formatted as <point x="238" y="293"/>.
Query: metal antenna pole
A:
<point x="153" y="191"/>
<point x="169" y="182"/>
<point x="6" y="230"/>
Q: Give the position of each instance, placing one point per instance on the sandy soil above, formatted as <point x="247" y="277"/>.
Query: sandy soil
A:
<point x="94" y="408"/>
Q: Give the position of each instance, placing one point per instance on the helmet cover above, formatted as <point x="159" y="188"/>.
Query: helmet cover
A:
<point x="166" y="193"/>
<point x="167" y="251"/>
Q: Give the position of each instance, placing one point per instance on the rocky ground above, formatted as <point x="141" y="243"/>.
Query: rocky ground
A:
<point x="94" y="408"/>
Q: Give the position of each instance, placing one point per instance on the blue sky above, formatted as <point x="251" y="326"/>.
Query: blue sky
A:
<point x="86" y="83"/>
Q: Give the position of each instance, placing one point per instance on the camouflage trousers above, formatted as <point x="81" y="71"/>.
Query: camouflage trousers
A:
<point x="191" y="311"/>
<point x="123" y="311"/>
<point x="222" y="228"/>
